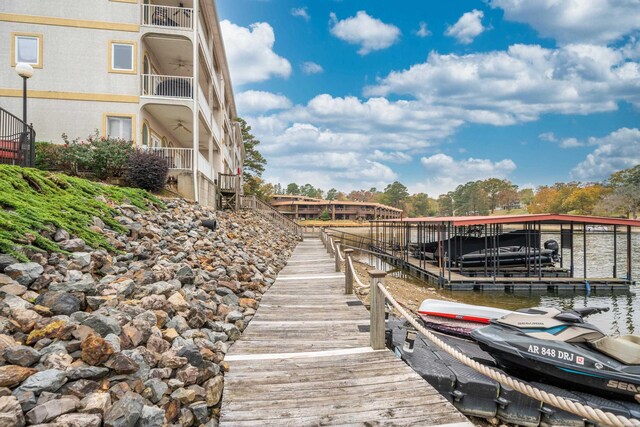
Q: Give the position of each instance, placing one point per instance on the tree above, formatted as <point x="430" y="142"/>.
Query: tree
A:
<point x="420" y="205"/>
<point x="470" y="199"/>
<point x="551" y="199"/>
<point x="254" y="162"/>
<point x="395" y="195"/>
<point x="626" y="191"/>
<point x="624" y="177"/>
<point x="325" y="215"/>
<point x="277" y="189"/>
<point x="583" y="200"/>
<point x="445" y="205"/>
<point x="526" y="196"/>
<point x="293" y="189"/>
<point x="495" y="189"/>
<point x="331" y="194"/>
<point x="259" y="188"/>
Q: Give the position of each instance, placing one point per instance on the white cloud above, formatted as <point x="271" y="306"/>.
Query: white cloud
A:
<point x="423" y="31"/>
<point x="250" y="53"/>
<point x="445" y="173"/>
<point x="301" y="12"/>
<point x="309" y="67"/>
<point x="370" y="33"/>
<point x="562" y="143"/>
<point x="570" y="21"/>
<point x="256" y="101"/>
<point x="390" y="156"/>
<point x="548" y="136"/>
<point x="519" y="84"/>
<point x="468" y="27"/>
<point x="618" y="150"/>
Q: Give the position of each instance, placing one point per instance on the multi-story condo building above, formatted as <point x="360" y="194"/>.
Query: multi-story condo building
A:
<point x="302" y="208"/>
<point x="150" y="71"/>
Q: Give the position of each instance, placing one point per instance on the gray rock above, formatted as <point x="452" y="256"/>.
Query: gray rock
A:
<point x="21" y="355"/>
<point x="61" y="235"/>
<point x="50" y="410"/>
<point x="234" y="316"/>
<point x="78" y="420"/>
<point x="86" y="372"/>
<point x="192" y="353"/>
<point x="96" y="403"/>
<point x="103" y="325"/>
<point x="200" y="412"/>
<point x="6" y="261"/>
<point x="154" y="390"/>
<point x="59" y="302"/>
<point x="49" y="380"/>
<point x="125" y="412"/>
<point x="81" y="259"/>
<point x="24" y="273"/>
<point x="73" y="245"/>
<point x="27" y="399"/>
<point x="185" y="275"/>
<point x="11" y="412"/>
<point x="13" y="289"/>
<point x="151" y="416"/>
<point x="86" y="285"/>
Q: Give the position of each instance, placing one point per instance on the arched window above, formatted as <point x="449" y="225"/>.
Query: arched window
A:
<point x="145" y="135"/>
<point x="164" y="142"/>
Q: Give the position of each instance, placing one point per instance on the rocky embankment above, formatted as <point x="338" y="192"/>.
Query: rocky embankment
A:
<point x="138" y="337"/>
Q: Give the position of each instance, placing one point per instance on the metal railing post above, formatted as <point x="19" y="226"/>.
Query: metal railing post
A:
<point x="376" y="310"/>
<point x="337" y="258"/>
<point x="348" y="273"/>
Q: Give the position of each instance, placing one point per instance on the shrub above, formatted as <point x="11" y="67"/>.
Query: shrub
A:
<point x="325" y="216"/>
<point x="109" y="156"/>
<point x="77" y="156"/>
<point x="49" y="156"/>
<point x="147" y="171"/>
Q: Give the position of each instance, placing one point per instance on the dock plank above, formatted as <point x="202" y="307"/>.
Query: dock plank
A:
<point x="303" y="360"/>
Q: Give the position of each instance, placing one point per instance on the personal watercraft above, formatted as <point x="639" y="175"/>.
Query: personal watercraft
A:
<point x="560" y="347"/>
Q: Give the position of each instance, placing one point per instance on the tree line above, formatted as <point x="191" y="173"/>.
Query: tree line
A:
<point x="619" y="195"/>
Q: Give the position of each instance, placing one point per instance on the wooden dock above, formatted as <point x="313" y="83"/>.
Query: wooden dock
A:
<point x="305" y="360"/>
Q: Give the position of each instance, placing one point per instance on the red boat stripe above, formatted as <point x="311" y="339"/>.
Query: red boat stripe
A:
<point x="457" y="317"/>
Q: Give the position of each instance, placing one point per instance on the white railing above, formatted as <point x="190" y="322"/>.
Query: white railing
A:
<point x="203" y="102"/>
<point x="166" y="86"/>
<point x="176" y="158"/>
<point x="205" y="167"/>
<point x="179" y="18"/>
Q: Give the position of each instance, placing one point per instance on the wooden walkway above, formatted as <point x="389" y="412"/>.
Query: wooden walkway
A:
<point x="305" y="360"/>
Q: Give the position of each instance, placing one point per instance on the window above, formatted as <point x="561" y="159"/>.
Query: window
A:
<point x="122" y="57"/>
<point x="119" y="126"/>
<point x="27" y="48"/>
<point x="145" y="135"/>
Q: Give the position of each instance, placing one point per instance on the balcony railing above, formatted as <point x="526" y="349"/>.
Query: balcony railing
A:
<point x="205" y="167"/>
<point x="167" y="86"/>
<point x="172" y="17"/>
<point x="204" y="105"/>
<point x="176" y="158"/>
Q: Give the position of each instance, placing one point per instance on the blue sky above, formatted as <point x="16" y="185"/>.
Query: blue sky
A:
<point x="352" y="94"/>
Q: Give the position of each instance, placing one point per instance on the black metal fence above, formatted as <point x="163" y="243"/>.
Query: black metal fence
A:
<point x="17" y="141"/>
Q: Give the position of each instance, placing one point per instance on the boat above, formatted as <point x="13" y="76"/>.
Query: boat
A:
<point x="508" y="256"/>
<point x="559" y="347"/>
<point x="460" y="311"/>
<point x="596" y="228"/>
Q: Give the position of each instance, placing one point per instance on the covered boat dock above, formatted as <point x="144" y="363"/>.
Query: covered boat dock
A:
<point x="517" y="252"/>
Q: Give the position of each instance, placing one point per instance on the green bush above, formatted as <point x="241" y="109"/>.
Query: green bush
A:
<point x="325" y="216"/>
<point x="147" y="171"/>
<point x="110" y="157"/>
<point x="49" y="156"/>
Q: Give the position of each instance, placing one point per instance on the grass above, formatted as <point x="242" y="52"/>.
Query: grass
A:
<point x="34" y="203"/>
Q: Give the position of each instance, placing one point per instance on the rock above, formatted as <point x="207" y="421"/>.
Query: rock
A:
<point x="24" y="273"/>
<point x="50" y="410"/>
<point x="61" y="235"/>
<point x="78" y="420"/>
<point x="154" y="390"/>
<point x="21" y="355"/>
<point x="13" y="289"/>
<point x="200" y="412"/>
<point x="59" y="302"/>
<point x="122" y="364"/>
<point x="102" y="324"/>
<point x="184" y="395"/>
<point x="81" y="259"/>
<point x="213" y="388"/>
<point x="11" y="375"/>
<point x="185" y="275"/>
<point x="192" y="354"/>
<point x="171" y="360"/>
<point x="73" y="245"/>
<point x="85" y="284"/>
<point x="178" y="302"/>
<point x="125" y="412"/>
<point x="95" y="350"/>
<point x="49" y="380"/>
<point x="151" y="416"/>
<point x="86" y="372"/>
<point x="96" y="403"/>
<point x="6" y="261"/>
<point x="82" y="388"/>
<point x="11" y="412"/>
<point x="55" y="329"/>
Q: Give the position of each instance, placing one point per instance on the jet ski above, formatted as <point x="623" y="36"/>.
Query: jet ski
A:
<point x="561" y="348"/>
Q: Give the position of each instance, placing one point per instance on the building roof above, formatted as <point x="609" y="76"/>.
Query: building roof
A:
<point x="520" y="219"/>
<point x="319" y="202"/>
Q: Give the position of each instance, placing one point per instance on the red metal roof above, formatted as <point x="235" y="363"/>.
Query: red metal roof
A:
<point x="520" y="219"/>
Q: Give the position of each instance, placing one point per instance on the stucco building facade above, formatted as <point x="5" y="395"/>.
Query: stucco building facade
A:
<point x="302" y="208"/>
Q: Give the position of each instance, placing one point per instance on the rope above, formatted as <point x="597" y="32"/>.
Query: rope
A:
<point x="593" y="414"/>
<point x="340" y="257"/>
<point x="354" y="273"/>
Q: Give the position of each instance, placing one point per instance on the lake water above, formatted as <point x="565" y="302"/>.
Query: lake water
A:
<point x="622" y="317"/>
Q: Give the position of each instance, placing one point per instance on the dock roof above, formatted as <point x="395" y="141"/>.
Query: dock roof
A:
<point x="521" y="219"/>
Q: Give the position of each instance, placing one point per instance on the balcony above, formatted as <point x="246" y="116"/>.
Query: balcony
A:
<point x="176" y="158"/>
<point x="175" y="87"/>
<point x="169" y="17"/>
<point x="205" y="167"/>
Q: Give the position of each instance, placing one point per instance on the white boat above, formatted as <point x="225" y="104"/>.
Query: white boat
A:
<point x="597" y="228"/>
<point x="460" y="311"/>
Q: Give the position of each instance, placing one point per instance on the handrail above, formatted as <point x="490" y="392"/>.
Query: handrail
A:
<point x="171" y="17"/>
<point x="267" y="211"/>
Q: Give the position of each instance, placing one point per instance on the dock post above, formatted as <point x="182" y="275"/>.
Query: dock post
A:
<point x="329" y="240"/>
<point x="376" y="310"/>
<point x="348" y="274"/>
<point x="337" y="258"/>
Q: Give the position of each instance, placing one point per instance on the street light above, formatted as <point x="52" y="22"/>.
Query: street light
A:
<point x="25" y="71"/>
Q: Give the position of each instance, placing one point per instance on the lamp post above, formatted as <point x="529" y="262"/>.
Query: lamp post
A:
<point x="25" y="71"/>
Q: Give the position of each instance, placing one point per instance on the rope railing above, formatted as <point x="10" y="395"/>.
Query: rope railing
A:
<point x="268" y="212"/>
<point x="577" y="408"/>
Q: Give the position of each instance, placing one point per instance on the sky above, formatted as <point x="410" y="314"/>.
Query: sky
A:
<point x="355" y="94"/>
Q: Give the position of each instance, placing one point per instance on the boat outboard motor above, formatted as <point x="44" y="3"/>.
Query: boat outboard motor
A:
<point x="552" y="244"/>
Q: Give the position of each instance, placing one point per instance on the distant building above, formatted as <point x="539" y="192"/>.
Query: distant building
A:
<point x="302" y="207"/>
<point x="153" y="72"/>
